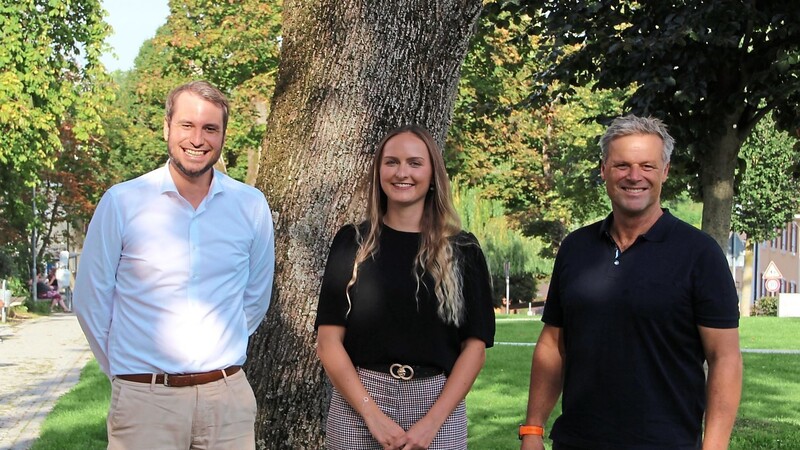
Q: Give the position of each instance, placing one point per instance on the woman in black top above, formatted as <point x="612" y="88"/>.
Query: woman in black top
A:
<point x="405" y="311"/>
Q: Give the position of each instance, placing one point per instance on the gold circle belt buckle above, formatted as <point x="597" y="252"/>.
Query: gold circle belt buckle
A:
<point x="401" y="371"/>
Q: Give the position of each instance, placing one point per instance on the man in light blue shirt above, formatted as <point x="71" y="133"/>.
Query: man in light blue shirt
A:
<point x="175" y="275"/>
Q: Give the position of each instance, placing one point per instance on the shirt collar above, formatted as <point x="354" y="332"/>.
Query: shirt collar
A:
<point x="216" y="184"/>
<point x="168" y="184"/>
<point x="657" y="233"/>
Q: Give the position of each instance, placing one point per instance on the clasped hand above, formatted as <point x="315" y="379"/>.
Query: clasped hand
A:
<point x="392" y="436"/>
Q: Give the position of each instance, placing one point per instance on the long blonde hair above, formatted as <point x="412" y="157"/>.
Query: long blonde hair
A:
<point x="439" y="225"/>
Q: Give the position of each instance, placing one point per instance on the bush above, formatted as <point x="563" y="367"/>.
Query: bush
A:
<point x="17" y="287"/>
<point x="766" y="306"/>
<point x="41" y="307"/>
<point x="521" y="287"/>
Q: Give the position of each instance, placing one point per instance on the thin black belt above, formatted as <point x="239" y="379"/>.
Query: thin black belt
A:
<point x="404" y="371"/>
<point x="183" y="379"/>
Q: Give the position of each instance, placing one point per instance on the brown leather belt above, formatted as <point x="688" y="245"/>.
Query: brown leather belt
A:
<point x="181" y="379"/>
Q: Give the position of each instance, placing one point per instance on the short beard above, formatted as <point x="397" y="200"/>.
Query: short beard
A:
<point x="189" y="173"/>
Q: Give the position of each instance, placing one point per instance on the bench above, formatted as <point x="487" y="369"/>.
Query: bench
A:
<point x="515" y="308"/>
<point x="14" y="301"/>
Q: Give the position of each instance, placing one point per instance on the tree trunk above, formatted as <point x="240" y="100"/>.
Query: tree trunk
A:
<point x="717" y="170"/>
<point x="747" y="278"/>
<point x="350" y="71"/>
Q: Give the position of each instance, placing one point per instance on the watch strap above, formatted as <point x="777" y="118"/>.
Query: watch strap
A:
<point x="527" y="430"/>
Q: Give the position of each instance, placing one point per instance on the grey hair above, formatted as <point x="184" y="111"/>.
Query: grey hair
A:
<point x="630" y="124"/>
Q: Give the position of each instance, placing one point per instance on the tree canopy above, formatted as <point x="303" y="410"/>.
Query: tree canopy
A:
<point x="234" y="45"/>
<point x="50" y="77"/>
<point x="710" y="69"/>
<point x="541" y="161"/>
<point x="766" y="193"/>
<point x="53" y="93"/>
<point x="501" y="244"/>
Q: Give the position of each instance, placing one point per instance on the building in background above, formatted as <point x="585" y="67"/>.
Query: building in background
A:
<point x="777" y="259"/>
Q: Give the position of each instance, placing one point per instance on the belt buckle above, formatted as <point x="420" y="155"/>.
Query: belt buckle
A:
<point x="401" y="371"/>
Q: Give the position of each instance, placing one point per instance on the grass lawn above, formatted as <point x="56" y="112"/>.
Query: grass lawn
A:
<point x="78" y="420"/>
<point x="770" y="333"/>
<point x="769" y="417"/>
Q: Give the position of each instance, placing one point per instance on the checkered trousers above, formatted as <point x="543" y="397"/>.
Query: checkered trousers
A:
<point x="405" y="402"/>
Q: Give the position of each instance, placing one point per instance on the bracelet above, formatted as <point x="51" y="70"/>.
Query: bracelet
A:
<point x="527" y="430"/>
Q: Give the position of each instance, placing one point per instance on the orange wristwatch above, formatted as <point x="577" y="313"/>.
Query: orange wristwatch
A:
<point x="525" y="430"/>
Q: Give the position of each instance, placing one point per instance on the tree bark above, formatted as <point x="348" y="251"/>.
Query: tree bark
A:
<point x="350" y="71"/>
<point x="747" y="278"/>
<point x="717" y="171"/>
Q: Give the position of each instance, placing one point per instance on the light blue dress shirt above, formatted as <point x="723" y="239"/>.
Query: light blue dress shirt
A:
<point x="163" y="287"/>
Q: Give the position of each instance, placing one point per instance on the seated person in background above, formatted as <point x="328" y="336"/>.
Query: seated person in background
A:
<point x="52" y="281"/>
<point x="44" y="290"/>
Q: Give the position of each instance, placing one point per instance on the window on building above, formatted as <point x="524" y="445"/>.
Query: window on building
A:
<point x="784" y="240"/>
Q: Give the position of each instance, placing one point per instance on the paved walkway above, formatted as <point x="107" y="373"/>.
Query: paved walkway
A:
<point x="40" y="360"/>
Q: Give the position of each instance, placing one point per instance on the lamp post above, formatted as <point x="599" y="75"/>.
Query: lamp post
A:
<point x="34" y="273"/>
<point x="507" y="270"/>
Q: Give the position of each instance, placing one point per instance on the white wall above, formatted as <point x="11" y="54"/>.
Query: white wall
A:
<point x="789" y="305"/>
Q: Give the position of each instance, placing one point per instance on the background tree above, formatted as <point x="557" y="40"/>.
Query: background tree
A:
<point x="768" y="186"/>
<point x="537" y="160"/>
<point x="68" y="193"/>
<point x="349" y="72"/>
<point x="486" y="219"/>
<point x="711" y="69"/>
<point x="52" y="85"/>
<point x="766" y="193"/>
<point x="234" y="45"/>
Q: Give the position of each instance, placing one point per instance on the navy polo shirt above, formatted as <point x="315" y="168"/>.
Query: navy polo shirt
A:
<point x="634" y="374"/>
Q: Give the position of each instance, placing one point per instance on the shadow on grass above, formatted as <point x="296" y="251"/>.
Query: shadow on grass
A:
<point x="768" y="414"/>
<point x="762" y="434"/>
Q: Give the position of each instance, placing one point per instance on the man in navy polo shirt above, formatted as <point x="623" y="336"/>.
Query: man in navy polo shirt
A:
<point x="637" y="303"/>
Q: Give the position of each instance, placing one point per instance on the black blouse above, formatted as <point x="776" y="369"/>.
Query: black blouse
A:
<point x="387" y="322"/>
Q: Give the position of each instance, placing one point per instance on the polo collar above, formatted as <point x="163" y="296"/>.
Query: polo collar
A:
<point x="657" y="233"/>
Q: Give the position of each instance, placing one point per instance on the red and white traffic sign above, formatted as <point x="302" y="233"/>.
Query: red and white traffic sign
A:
<point x="772" y="285"/>
<point x="772" y="277"/>
<point x="772" y="272"/>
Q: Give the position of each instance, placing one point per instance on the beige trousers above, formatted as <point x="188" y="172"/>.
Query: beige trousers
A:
<point x="216" y="415"/>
